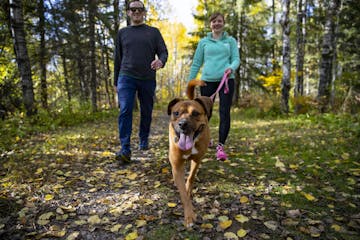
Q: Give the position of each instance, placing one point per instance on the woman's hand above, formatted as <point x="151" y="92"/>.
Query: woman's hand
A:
<point x="228" y="71"/>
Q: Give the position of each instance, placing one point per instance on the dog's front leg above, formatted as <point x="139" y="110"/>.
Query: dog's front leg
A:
<point x="179" y="179"/>
<point x="190" y="181"/>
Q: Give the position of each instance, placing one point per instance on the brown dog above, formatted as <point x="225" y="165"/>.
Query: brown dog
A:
<point x="189" y="137"/>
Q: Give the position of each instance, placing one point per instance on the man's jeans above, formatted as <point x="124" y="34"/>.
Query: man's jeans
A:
<point x="127" y="88"/>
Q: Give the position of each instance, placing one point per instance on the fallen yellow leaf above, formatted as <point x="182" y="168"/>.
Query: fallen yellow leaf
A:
<point x="148" y="201"/>
<point x="140" y="223"/>
<point x="279" y="164"/>
<point x="115" y="228"/>
<point x="171" y="204"/>
<point x="241" y="233"/>
<point x="73" y="236"/>
<point x="132" y="236"/>
<point x="309" y="197"/>
<point x="244" y="199"/>
<point x="336" y="227"/>
<point x="106" y="154"/>
<point x="294" y="166"/>
<point x="208" y="217"/>
<point x="223" y="218"/>
<point x="48" y="197"/>
<point x="241" y="218"/>
<point x="80" y="222"/>
<point x="345" y="156"/>
<point x="230" y="235"/>
<point x="132" y="176"/>
<point x="207" y="226"/>
<point x="225" y="224"/>
<point x="94" y="220"/>
<point x="157" y="184"/>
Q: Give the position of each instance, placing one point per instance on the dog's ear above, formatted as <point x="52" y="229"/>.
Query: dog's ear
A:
<point x="206" y="103"/>
<point x="171" y="104"/>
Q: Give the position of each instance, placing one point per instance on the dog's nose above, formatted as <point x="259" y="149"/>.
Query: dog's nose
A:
<point x="183" y="124"/>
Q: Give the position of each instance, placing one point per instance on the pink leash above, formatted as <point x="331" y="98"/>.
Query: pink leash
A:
<point x="224" y="80"/>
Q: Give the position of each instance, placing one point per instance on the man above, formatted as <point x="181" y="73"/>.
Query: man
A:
<point x="140" y="50"/>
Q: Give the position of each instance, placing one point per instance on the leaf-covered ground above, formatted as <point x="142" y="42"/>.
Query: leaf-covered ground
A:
<point x="287" y="178"/>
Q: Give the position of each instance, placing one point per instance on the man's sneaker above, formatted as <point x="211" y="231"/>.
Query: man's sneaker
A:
<point x="220" y="154"/>
<point x="122" y="158"/>
<point x="143" y="147"/>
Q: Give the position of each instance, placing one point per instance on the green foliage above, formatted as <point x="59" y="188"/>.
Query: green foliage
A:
<point x="304" y="104"/>
<point x="260" y="105"/>
<point x="17" y="128"/>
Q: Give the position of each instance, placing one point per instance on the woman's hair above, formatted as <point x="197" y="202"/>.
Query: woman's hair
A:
<point x="215" y="15"/>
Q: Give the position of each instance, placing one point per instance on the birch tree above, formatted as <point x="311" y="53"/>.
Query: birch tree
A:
<point x="300" y="48"/>
<point x="286" y="68"/>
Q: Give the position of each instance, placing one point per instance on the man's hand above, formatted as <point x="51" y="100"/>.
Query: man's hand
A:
<point x="156" y="64"/>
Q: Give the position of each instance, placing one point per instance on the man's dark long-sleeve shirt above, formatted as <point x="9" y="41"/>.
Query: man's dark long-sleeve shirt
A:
<point x="135" y="49"/>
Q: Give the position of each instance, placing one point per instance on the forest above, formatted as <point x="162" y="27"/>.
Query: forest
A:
<point x="293" y="170"/>
<point x="296" y="56"/>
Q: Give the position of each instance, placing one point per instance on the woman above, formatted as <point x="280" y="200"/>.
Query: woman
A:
<point x="217" y="54"/>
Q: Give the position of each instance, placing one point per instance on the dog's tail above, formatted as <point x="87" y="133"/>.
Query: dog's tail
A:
<point x="190" y="90"/>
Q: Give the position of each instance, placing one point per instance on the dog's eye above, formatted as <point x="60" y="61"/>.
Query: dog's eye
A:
<point x="195" y="113"/>
<point x="176" y="114"/>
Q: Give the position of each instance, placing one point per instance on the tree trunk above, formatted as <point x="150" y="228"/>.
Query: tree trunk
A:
<point x="286" y="68"/>
<point x="238" y="34"/>
<point x="22" y="57"/>
<point x="67" y="84"/>
<point x="93" y="84"/>
<point x="116" y="17"/>
<point x="327" y="55"/>
<point x="242" y="67"/>
<point x="42" y="56"/>
<point x="300" y="47"/>
<point x="84" y="90"/>
<point x="127" y="2"/>
<point x="273" y="48"/>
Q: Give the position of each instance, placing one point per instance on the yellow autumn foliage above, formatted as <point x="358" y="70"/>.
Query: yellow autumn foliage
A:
<point x="272" y="82"/>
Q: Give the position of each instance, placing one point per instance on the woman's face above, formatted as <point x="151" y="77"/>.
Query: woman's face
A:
<point x="217" y="24"/>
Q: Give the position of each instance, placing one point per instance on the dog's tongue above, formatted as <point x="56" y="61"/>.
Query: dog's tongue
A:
<point x="185" y="142"/>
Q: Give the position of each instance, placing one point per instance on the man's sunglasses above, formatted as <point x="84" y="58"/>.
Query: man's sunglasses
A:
<point x="134" y="9"/>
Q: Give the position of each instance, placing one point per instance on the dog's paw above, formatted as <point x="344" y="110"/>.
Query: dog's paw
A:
<point x="189" y="225"/>
<point x="189" y="220"/>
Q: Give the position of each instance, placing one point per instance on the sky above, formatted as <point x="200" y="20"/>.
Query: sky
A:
<point x="182" y="12"/>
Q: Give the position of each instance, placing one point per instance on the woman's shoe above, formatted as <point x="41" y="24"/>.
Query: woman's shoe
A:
<point x="220" y="153"/>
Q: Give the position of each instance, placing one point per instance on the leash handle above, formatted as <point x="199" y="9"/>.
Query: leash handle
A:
<point x="224" y="80"/>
